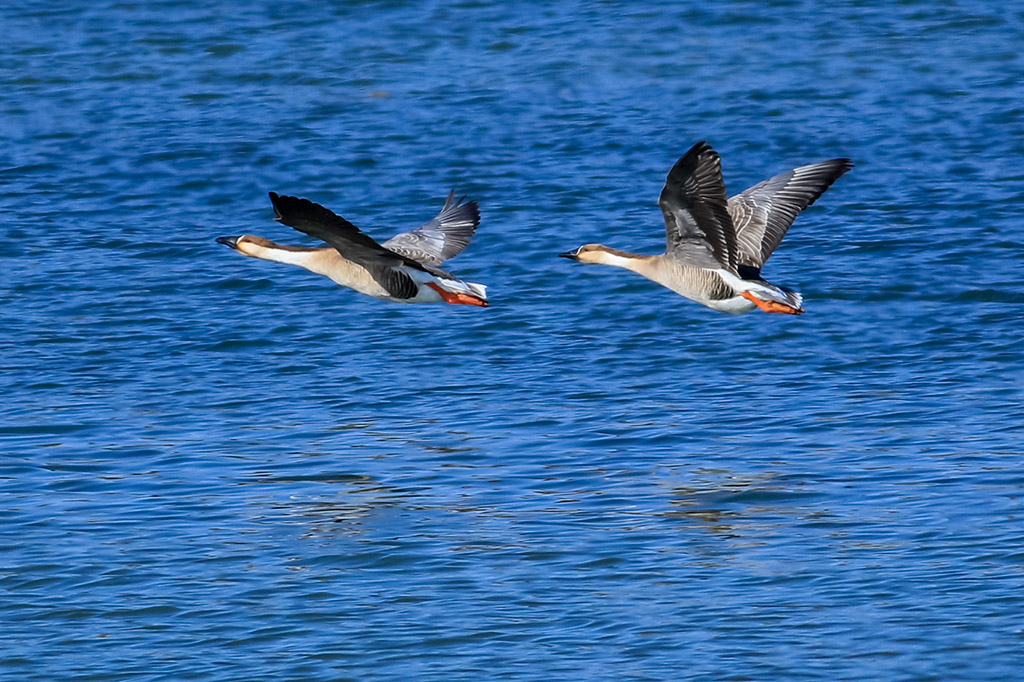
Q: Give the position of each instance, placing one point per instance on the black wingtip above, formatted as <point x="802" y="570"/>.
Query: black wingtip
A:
<point x="461" y="203"/>
<point x="843" y="166"/>
<point x="692" y="159"/>
<point x="700" y="149"/>
<point x="836" y="168"/>
<point x="275" y="198"/>
<point x="474" y="211"/>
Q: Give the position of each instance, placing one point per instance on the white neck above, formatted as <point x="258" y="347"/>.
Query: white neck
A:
<point x="616" y="260"/>
<point x="304" y="259"/>
<point x="326" y="262"/>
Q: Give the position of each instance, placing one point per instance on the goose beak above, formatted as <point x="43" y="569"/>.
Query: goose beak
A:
<point x="228" y="241"/>
<point x="571" y="255"/>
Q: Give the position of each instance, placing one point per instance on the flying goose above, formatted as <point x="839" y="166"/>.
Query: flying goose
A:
<point x="402" y="269"/>
<point x="717" y="247"/>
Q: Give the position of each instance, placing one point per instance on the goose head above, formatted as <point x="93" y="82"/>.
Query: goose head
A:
<point x="602" y="255"/>
<point x="247" y="244"/>
<point x="588" y="253"/>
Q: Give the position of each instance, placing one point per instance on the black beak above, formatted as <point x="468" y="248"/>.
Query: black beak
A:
<point x="571" y="255"/>
<point x="228" y="241"/>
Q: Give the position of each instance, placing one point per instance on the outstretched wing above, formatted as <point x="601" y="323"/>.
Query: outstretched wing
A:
<point x="354" y="245"/>
<point x="697" y="223"/>
<point x="443" y="237"/>
<point x="762" y="214"/>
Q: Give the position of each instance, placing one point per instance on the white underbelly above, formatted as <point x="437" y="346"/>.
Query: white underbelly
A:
<point x="698" y="284"/>
<point x="736" y="305"/>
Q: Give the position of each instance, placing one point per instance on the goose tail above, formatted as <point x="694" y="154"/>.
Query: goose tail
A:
<point x="774" y="299"/>
<point x="460" y="292"/>
<point x="765" y="295"/>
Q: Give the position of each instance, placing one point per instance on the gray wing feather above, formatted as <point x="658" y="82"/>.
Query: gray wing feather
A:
<point x="356" y="246"/>
<point x="697" y="223"/>
<point x="762" y="214"/>
<point x="444" y="237"/>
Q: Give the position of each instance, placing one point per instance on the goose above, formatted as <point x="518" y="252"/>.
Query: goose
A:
<point x="403" y="269"/>
<point x="717" y="246"/>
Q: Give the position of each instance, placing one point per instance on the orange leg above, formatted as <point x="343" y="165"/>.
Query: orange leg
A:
<point x="452" y="297"/>
<point x="772" y="306"/>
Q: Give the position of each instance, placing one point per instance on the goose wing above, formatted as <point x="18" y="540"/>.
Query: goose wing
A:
<point x="763" y="213"/>
<point x="353" y="244"/>
<point x="697" y="223"/>
<point x="442" y="238"/>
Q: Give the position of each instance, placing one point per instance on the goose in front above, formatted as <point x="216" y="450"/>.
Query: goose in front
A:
<point x="403" y="269"/>
<point x="717" y="246"/>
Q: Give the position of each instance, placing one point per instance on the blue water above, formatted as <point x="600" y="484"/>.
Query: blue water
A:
<point x="217" y="468"/>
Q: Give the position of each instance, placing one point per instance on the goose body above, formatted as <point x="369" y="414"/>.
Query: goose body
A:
<point x="716" y="246"/>
<point x="403" y="269"/>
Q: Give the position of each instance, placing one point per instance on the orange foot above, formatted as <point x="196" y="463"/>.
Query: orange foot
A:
<point x="772" y="306"/>
<point x="464" y="299"/>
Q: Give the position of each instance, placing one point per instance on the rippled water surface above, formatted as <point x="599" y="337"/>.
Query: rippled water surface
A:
<point x="217" y="468"/>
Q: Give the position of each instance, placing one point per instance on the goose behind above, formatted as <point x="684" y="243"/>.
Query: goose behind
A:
<point x="716" y="246"/>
